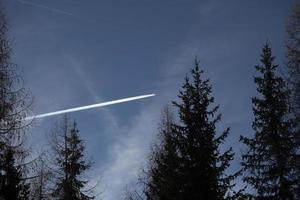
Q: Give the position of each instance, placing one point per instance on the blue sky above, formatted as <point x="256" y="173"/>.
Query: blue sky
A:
<point x="75" y="52"/>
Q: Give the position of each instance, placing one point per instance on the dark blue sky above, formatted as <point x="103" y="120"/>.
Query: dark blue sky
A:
<point x="76" y="52"/>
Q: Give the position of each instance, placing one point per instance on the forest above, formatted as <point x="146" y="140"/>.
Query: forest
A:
<point x="190" y="159"/>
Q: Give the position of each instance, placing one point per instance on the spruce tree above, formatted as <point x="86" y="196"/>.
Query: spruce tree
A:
<point x="269" y="162"/>
<point x="71" y="164"/>
<point x="12" y="185"/>
<point x="202" y="167"/>
<point x="187" y="163"/>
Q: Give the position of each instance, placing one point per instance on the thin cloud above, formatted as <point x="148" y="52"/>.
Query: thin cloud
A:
<point x="45" y="7"/>
<point x="77" y="67"/>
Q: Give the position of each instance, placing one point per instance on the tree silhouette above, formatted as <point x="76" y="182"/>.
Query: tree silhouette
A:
<point x="12" y="185"/>
<point x="187" y="162"/>
<point x="202" y="167"/>
<point x="162" y="173"/>
<point x="15" y="102"/>
<point x="270" y="159"/>
<point x="70" y="162"/>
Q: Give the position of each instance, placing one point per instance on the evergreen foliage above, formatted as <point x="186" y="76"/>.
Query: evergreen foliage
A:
<point x="71" y="165"/>
<point x="188" y="163"/>
<point x="12" y="186"/>
<point x="269" y="162"/>
<point x="202" y="167"/>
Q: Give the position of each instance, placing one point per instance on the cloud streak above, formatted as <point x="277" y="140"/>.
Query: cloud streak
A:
<point x="89" y="106"/>
<point x="45" y="7"/>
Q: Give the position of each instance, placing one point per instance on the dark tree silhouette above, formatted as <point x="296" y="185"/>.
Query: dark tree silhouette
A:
<point x="202" y="167"/>
<point x="12" y="185"/>
<point x="14" y="106"/>
<point x="186" y="163"/>
<point x="161" y="176"/>
<point x="269" y="162"/>
<point x="15" y="100"/>
<point x="70" y="162"/>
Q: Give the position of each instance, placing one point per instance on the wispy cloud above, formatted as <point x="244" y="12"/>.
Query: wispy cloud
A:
<point x="127" y="154"/>
<point x="45" y="7"/>
<point x="77" y="67"/>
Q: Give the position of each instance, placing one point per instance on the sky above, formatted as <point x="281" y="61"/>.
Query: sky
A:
<point x="78" y="52"/>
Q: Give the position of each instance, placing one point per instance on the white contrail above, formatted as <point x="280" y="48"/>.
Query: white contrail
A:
<point x="44" y="7"/>
<point x="89" y="106"/>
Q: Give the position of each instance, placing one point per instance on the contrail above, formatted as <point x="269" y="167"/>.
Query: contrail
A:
<point x="44" y="7"/>
<point x="89" y="106"/>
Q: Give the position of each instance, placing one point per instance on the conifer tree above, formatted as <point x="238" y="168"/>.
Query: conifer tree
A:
<point x="12" y="185"/>
<point x="269" y="162"/>
<point x="187" y="163"/>
<point x="71" y="164"/>
<point x="202" y="167"/>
